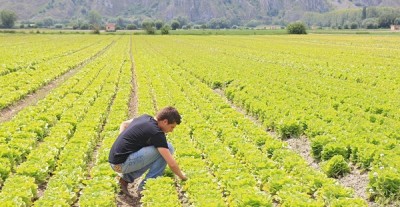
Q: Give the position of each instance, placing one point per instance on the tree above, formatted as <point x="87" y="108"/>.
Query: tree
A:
<point x="131" y="27"/>
<point x="182" y="20"/>
<point x="48" y="22"/>
<point x="159" y="24"/>
<point x="175" y="25"/>
<point x="253" y="23"/>
<point x="150" y="30"/>
<point x="370" y="23"/>
<point x="120" y="22"/>
<point x="85" y="26"/>
<point x="147" y="23"/>
<point x="77" y="24"/>
<point x="148" y="26"/>
<point x="218" y="23"/>
<point x="364" y="13"/>
<point x="297" y="28"/>
<point x="8" y="18"/>
<point x="165" y="29"/>
<point x="397" y="21"/>
<point x="94" y="20"/>
<point x="385" y="20"/>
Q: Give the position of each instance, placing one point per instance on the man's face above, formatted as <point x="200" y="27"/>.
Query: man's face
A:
<point x="165" y="127"/>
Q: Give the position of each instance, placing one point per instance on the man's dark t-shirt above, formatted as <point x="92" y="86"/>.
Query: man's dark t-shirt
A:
<point x="141" y="132"/>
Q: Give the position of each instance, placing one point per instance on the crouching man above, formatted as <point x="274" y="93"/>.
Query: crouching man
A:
<point x="142" y="145"/>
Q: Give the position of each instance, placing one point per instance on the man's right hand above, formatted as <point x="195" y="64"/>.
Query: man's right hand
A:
<point x="184" y="178"/>
<point x="171" y="162"/>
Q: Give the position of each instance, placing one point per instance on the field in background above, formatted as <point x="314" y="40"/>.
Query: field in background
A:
<point x="339" y="92"/>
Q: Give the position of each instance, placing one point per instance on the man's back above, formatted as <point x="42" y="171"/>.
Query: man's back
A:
<point x="142" y="132"/>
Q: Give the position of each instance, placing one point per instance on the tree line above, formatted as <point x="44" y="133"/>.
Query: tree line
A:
<point x="366" y="17"/>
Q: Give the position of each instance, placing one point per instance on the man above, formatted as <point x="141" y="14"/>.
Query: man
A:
<point x="142" y="146"/>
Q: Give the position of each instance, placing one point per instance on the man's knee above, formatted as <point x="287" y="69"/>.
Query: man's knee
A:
<point x="171" y="148"/>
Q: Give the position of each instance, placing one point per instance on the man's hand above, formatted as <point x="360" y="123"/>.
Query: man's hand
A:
<point x="184" y="178"/>
<point x="171" y="162"/>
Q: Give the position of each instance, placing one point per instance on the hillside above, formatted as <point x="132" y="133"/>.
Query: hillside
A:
<point x="195" y="10"/>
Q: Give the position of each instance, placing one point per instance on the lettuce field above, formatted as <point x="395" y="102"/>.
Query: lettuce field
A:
<point x="243" y="99"/>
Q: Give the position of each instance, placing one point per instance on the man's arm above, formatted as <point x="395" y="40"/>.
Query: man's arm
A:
<point x="124" y="125"/>
<point x="171" y="162"/>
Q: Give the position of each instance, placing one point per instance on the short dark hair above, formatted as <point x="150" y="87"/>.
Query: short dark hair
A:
<point x="170" y="113"/>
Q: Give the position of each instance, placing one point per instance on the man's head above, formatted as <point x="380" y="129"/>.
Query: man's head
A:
<point x="167" y="119"/>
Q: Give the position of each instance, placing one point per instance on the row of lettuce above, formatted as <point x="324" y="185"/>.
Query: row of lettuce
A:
<point x="38" y="70"/>
<point x="153" y="94"/>
<point x="51" y="144"/>
<point x="345" y="100"/>
<point x="101" y="188"/>
<point x="20" y="52"/>
<point x="229" y="160"/>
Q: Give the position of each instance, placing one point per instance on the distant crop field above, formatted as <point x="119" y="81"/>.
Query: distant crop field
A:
<point x="268" y="120"/>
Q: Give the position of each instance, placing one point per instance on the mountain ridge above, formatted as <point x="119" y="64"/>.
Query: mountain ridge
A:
<point x="194" y="10"/>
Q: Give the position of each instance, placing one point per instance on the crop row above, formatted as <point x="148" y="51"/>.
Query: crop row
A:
<point x="15" y="86"/>
<point x="280" y="171"/>
<point x="42" y="161"/>
<point x="77" y="95"/>
<point x="101" y="188"/>
<point x="18" y="138"/>
<point x="202" y="191"/>
<point x="348" y="113"/>
<point x="21" y="135"/>
<point x="22" y="56"/>
<point x="72" y="165"/>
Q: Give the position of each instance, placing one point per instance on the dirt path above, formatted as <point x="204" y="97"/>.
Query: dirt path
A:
<point x="123" y="200"/>
<point x="302" y="147"/>
<point x="9" y="112"/>
<point x="133" y="103"/>
<point x="356" y="179"/>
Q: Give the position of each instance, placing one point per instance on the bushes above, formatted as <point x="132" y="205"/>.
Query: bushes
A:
<point x="297" y="28"/>
<point x="165" y="29"/>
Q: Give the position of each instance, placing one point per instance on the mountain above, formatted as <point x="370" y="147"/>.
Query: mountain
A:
<point x="194" y="10"/>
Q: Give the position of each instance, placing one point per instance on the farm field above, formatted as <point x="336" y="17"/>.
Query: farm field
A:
<point x="244" y="99"/>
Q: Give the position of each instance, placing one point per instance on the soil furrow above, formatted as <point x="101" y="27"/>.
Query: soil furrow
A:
<point x="9" y="112"/>
<point x="133" y="103"/>
<point x="356" y="179"/>
<point x="123" y="200"/>
<point x="181" y="194"/>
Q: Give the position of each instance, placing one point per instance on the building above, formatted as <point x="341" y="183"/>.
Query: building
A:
<point x="110" y="27"/>
<point x="395" y="27"/>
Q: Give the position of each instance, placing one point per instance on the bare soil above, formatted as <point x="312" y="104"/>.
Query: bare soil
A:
<point x="122" y="199"/>
<point x="182" y="197"/>
<point x="7" y="113"/>
<point x="133" y="103"/>
<point x="126" y="201"/>
<point x="357" y="180"/>
<point x="302" y="147"/>
<point x="41" y="188"/>
<point x="45" y="90"/>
